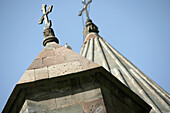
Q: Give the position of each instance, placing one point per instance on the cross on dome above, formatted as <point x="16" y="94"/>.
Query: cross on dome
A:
<point x="85" y="8"/>
<point x="45" y="16"/>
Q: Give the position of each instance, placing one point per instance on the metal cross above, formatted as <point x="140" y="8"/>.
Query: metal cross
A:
<point x="45" y="17"/>
<point x="85" y="8"/>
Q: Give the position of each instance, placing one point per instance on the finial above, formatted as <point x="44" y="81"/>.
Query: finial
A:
<point x="85" y="8"/>
<point x="48" y="31"/>
<point x="90" y="27"/>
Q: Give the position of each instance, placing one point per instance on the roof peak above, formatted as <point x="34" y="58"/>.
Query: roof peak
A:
<point x="56" y="60"/>
<point x="49" y="36"/>
<point x="90" y="27"/>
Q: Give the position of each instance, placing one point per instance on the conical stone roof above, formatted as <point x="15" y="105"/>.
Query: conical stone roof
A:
<point x="96" y="49"/>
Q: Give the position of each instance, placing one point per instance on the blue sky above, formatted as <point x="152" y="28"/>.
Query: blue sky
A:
<point x="139" y="29"/>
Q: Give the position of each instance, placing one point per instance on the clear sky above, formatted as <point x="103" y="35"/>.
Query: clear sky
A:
<point x="139" y="29"/>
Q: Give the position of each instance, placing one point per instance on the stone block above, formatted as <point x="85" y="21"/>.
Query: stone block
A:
<point x="94" y="106"/>
<point x="87" y="95"/>
<point x="52" y="45"/>
<point x="69" y="109"/>
<point x="63" y="51"/>
<point x="64" y="101"/>
<point x="51" y="103"/>
<point x="72" y="57"/>
<point x="37" y="63"/>
<point x="87" y="64"/>
<point x="41" y="73"/>
<point x="48" y="61"/>
<point x="59" y="51"/>
<point x="33" y="107"/>
<point x="28" y="76"/>
<point x="44" y="106"/>
<point x="45" y="53"/>
<point x="65" y="68"/>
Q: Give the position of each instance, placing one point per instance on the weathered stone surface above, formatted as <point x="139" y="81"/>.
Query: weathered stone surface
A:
<point x="51" y="103"/>
<point x="65" y="68"/>
<point x="52" y="45"/>
<point x="28" y="76"/>
<point x="59" y="51"/>
<point x="87" y="64"/>
<point x="45" y="53"/>
<point x="72" y="57"/>
<point x="64" y="101"/>
<point x="48" y="61"/>
<point x="87" y="95"/>
<point x="37" y="63"/>
<point x="45" y="106"/>
<point x="94" y="106"/>
<point x="33" y="107"/>
<point x="41" y="73"/>
<point x="69" y="109"/>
